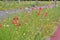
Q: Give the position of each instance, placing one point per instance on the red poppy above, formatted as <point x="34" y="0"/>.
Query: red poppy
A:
<point x="33" y="8"/>
<point x="40" y="8"/>
<point x="18" y="24"/>
<point x="46" y="14"/>
<point x="13" y="22"/>
<point x="16" y="18"/>
<point x="0" y="25"/>
<point x="38" y="14"/>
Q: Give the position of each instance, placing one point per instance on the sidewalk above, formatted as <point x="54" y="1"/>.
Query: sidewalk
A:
<point x="56" y="35"/>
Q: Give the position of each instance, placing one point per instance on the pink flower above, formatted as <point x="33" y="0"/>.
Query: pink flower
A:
<point x="40" y="8"/>
<point x="33" y="8"/>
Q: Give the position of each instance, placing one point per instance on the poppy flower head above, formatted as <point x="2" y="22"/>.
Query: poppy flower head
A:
<point x="40" y="8"/>
<point x="0" y="25"/>
<point x="15" y="18"/>
<point x="13" y="22"/>
<point x="33" y="8"/>
<point x="18" y="24"/>
<point x="46" y="14"/>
